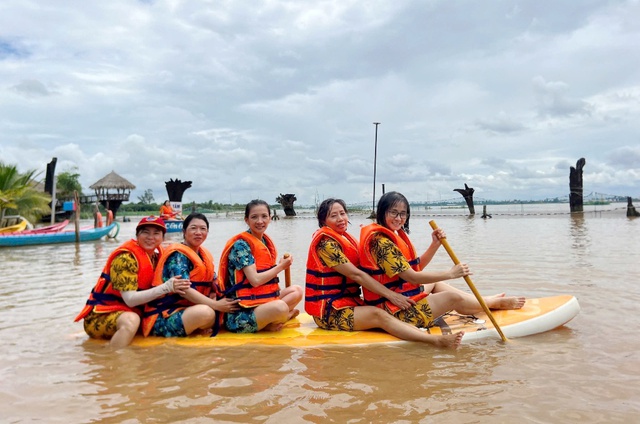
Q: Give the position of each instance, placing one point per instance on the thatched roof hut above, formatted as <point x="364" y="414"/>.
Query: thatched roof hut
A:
<point x="112" y="181"/>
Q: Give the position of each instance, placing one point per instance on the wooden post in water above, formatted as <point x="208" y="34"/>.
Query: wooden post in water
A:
<point x="76" y="215"/>
<point x="485" y="215"/>
<point x="631" y="210"/>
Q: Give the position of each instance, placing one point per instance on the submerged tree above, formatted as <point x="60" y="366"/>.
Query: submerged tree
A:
<point x="467" y="193"/>
<point x="286" y="200"/>
<point x="19" y="194"/>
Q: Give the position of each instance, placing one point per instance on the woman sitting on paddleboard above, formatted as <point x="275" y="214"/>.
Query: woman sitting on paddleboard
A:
<point x="332" y="289"/>
<point x="387" y="254"/>
<point x="249" y="273"/>
<point x="115" y="305"/>
<point x="179" y="315"/>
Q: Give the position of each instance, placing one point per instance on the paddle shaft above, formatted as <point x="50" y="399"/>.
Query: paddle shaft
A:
<point x="287" y="274"/>
<point x="472" y="286"/>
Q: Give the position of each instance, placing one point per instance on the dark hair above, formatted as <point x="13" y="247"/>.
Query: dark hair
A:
<point x="325" y="208"/>
<point x="255" y="202"/>
<point x="191" y="217"/>
<point x="386" y="202"/>
<point x="166" y="201"/>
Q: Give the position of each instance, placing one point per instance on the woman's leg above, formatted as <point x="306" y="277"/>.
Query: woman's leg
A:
<point x="292" y="296"/>
<point x="127" y="324"/>
<point x="367" y="317"/>
<point x="469" y="303"/>
<point x="272" y="316"/>
<point x="198" y="317"/>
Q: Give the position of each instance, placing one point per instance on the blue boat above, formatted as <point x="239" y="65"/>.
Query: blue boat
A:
<point x="173" y="225"/>
<point x="110" y="231"/>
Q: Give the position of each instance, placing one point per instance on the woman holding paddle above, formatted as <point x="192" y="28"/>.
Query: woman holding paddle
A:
<point x="387" y="254"/>
<point x="249" y="273"/>
<point x="332" y="289"/>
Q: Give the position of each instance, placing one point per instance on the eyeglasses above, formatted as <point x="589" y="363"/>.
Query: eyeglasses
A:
<point x="395" y="214"/>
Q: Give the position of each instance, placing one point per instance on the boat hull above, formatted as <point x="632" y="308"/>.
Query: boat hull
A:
<point x="59" y="237"/>
<point x="16" y="228"/>
<point x="173" y="225"/>
<point x="41" y="230"/>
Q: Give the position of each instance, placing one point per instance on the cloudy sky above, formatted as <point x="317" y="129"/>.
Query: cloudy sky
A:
<point x="250" y="99"/>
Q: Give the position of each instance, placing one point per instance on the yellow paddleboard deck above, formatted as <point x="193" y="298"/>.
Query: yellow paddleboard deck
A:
<point x="537" y="316"/>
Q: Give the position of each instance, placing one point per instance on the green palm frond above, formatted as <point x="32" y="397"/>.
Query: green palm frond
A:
<point x="19" y="196"/>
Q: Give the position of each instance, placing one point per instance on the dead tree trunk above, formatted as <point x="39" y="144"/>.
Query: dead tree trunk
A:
<point x="286" y="200"/>
<point x="575" y="186"/>
<point x="467" y="193"/>
<point x="631" y="210"/>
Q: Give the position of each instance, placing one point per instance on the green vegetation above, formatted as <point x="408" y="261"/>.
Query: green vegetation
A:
<point x="147" y="197"/>
<point x="68" y="182"/>
<point x="19" y="194"/>
<point x="142" y="208"/>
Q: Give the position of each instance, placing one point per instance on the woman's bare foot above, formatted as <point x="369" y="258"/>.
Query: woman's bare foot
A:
<point x="449" y="340"/>
<point x="274" y="326"/>
<point x="293" y="314"/>
<point x="513" y="302"/>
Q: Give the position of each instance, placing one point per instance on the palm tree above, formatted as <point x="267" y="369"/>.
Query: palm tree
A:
<point x="19" y="194"/>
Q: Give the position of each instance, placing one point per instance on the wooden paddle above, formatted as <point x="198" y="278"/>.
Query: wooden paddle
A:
<point x="287" y="273"/>
<point x="455" y="260"/>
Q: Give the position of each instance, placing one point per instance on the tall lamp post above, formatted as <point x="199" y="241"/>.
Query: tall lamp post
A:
<point x="375" y="160"/>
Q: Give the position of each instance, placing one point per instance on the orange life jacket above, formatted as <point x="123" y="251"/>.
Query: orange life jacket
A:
<point x="167" y="212"/>
<point x="109" y="217"/>
<point x="265" y="255"/>
<point x="104" y="298"/>
<point x="201" y="277"/>
<point x="326" y="288"/>
<point x="97" y="219"/>
<point x="368" y="264"/>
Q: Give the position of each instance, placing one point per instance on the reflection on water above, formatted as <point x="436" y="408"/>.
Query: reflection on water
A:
<point x="51" y="372"/>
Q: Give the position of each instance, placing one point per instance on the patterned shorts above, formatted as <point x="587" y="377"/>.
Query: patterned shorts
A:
<point x="338" y="320"/>
<point x="170" y="326"/>
<point x="243" y="321"/>
<point x="101" y="326"/>
<point x="419" y="314"/>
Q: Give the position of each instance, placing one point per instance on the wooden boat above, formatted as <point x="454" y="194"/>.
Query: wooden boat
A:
<point x="110" y="231"/>
<point x="41" y="230"/>
<point x="20" y="226"/>
<point x="173" y="225"/>
<point x="537" y="316"/>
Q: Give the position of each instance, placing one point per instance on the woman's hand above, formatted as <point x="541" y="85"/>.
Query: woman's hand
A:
<point x="401" y="301"/>
<point x="460" y="270"/>
<point x="226" y="305"/>
<point x="436" y="235"/>
<point x="286" y="261"/>
<point x="179" y="285"/>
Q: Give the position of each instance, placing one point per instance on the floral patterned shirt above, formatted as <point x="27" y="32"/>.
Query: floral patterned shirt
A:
<point x="177" y="264"/>
<point x="240" y="256"/>
<point x="330" y="252"/>
<point x="124" y="272"/>
<point x="388" y="256"/>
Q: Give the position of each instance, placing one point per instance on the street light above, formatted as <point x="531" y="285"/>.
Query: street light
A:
<point x="375" y="160"/>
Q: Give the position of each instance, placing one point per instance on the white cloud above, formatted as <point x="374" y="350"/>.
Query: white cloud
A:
<point x="252" y="100"/>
